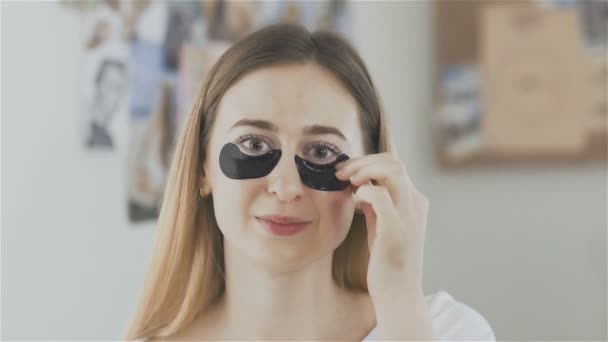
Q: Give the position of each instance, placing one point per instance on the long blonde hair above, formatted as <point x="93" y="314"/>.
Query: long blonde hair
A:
<point x="187" y="267"/>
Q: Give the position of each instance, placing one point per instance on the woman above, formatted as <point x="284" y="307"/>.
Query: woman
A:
<point x="287" y="214"/>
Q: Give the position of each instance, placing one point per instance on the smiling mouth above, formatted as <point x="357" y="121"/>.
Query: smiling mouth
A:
<point x="283" y="226"/>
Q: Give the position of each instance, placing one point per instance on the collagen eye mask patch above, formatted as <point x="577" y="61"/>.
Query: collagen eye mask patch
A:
<point x="237" y="165"/>
<point x="321" y="176"/>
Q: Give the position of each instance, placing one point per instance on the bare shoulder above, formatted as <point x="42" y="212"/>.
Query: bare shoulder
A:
<point x="202" y="328"/>
<point x="187" y="334"/>
<point x="175" y="337"/>
<point x="163" y="338"/>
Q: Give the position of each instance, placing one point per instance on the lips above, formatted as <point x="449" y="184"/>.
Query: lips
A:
<point x="283" y="225"/>
<point x="283" y="219"/>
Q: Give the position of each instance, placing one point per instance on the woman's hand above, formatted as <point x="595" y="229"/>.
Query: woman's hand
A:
<point x="395" y="213"/>
<point x="396" y="217"/>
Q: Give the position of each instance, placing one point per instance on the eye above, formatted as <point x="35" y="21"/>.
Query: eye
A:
<point x="253" y="145"/>
<point x="321" y="153"/>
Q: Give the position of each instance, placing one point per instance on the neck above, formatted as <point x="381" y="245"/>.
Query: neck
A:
<point x="298" y="303"/>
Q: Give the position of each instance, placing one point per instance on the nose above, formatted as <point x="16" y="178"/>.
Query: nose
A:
<point x="284" y="181"/>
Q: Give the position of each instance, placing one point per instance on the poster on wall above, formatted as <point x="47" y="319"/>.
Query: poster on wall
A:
<point x="533" y="103"/>
<point x="520" y="82"/>
<point x="104" y="76"/>
<point x="155" y="58"/>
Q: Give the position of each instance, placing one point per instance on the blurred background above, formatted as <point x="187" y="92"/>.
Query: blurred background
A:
<point x="499" y="110"/>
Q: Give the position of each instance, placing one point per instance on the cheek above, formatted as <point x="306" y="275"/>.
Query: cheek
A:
<point x="337" y="211"/>
<point x="232" y="202"/>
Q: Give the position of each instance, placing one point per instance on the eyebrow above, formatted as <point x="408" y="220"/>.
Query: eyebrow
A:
<point x="308" y="130"/>
<point x="262" y="124"/>
<point x="318" y="130"/>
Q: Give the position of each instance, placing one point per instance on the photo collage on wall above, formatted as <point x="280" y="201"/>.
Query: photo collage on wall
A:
<point x="147" y="60"/>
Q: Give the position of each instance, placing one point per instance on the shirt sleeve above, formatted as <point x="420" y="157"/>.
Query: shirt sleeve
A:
<point x="456" y="321"/>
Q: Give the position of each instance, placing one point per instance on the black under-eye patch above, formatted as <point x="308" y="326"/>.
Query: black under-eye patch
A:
<point x="321" y="176"/>
<point x="237" y="165"/>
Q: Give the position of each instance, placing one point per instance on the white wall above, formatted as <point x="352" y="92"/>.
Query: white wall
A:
<point x="524" y="245"/>
<point x="71" y="264"/>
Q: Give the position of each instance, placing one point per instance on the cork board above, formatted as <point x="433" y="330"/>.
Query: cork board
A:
<point x="508" y="89"/>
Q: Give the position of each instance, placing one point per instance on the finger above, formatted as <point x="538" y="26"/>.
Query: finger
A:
<point x="349" y="166"/>
<point x="365" y="159"/>
<point x="387" y="227"/>
<point x="380" y="201"/>
<point x="370" y="222"/>
<point x="390" y="175"/>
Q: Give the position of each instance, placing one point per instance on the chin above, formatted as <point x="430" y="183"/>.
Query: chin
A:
<point x="281" y="256"/>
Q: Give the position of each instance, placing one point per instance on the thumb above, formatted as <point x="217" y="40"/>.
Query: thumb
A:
<point x="370" y="223"/>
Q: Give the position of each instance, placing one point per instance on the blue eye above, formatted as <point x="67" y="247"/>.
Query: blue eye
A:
<point x="253" y="145"/>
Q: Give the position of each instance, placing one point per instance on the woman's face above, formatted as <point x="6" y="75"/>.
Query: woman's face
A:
<point x="301" y="110"/>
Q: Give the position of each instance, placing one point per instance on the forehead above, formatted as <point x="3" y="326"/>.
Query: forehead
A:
<point x="291" y="96"/>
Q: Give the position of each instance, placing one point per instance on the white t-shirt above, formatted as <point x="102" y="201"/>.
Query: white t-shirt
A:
<point x="451" y="320"/>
